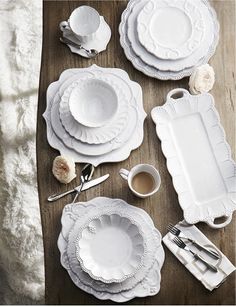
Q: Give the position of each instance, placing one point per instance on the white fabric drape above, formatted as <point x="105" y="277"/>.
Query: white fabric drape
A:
<point x="21" y="248"/>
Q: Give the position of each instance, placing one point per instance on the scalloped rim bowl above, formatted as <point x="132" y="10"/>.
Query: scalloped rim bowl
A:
<point x="111" y="248"/>
<point x="93" y="103"/>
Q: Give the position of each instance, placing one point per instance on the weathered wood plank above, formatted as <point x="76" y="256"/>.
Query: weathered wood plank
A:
<point x="178" y="286"/>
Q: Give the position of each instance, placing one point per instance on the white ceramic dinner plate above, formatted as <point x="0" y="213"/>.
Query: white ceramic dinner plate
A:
<point x="96" y="135"/>
<point x="171" y="29"/>
<point x="111" y="247"/>
<point x="172" y="65"/>
<point x="151" y="71"/>
<point x="145" y="282"/>
<point x="198" y="157"/>
<point x="134" y="93"/>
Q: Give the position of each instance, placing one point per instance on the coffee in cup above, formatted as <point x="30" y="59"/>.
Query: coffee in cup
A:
<point x="143" y="179"/>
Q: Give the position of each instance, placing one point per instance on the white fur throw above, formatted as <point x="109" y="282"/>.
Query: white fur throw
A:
<point x="21" y="248"/>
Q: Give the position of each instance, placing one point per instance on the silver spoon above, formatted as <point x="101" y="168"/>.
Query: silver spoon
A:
<point x="86" y="175"/>
<point x="90" y="52"/>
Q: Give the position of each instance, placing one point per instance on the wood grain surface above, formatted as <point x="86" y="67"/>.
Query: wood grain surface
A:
<point x="178" y="286"/>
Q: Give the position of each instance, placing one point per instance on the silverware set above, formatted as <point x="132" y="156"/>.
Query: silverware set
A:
<point x="179" y="241"/>
<point x="80" y="188"/>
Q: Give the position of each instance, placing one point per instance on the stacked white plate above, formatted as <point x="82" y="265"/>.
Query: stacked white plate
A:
<point x="111" y="249"/>
<point x="167" y="39"/>
<point x="95" y="115"/>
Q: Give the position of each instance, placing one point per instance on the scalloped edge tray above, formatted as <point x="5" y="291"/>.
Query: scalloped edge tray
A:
<point x="198" y="156"/>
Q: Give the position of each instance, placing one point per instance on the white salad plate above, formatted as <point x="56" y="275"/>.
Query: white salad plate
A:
<point x="98" y="43"/>
<point x="151" y="71"/>
<point x="200" y="53"/>
<point x="170" y="29"/>
<point x="96" y="135"/>
<point x="111" y="247"/>
<point x="93" y="102"/>
<point x="144" y="283"/>
<point x="198" y="157"/>
<point x="134" y="96"/>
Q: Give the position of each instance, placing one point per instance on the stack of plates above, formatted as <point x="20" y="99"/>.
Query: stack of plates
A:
<point x="95" y="115"/>
<point x="111" y="249"/>
<point x="166" y="39"/>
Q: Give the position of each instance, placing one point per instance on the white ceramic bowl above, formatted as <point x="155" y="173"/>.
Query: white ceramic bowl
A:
<point x="93" y="103"/>
<point x="111" y="248"/>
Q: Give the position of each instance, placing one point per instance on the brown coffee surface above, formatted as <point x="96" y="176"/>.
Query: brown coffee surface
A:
<point x="143" y="183"/>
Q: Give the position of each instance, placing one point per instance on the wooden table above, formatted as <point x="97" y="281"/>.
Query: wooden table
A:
<point x="178" y="286"/>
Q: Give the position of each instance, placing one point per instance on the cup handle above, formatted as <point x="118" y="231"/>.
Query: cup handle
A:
<point x="64" y="26"/>
<point x="124" y="173"/>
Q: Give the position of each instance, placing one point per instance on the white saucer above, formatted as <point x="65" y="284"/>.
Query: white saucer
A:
<point x="99" y="43"/>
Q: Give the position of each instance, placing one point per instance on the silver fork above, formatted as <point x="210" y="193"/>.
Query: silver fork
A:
<point x="177" y="232"/>
<point x="182" y="245"/>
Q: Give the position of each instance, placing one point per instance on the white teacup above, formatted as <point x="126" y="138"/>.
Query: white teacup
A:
<point x="143" y="179"/>
<point x="84" y="22"/>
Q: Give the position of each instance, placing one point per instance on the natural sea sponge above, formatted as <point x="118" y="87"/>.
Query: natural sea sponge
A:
<point x="202" y="79"/>
<point x="63" y="169"/>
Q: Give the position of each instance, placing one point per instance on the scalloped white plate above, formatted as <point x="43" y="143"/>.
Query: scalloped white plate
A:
<point x="79" y="214"/>
<point x="134" y="96"/>
<point x="151" y="71"/>
<point x="198" y="156"/>
<point x="144" y="283"/>
<point x="111" y="247"/>
<point x="149" y="286"/>
<point x="170" y="29"/>
<point x="98" y="135"/>
<point x="209" y="39"/>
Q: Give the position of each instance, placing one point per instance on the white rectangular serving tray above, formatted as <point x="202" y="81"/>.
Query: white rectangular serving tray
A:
<point x="198" y="156"/>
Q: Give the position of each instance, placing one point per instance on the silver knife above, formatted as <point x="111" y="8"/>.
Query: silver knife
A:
<point x="86" y="186"/>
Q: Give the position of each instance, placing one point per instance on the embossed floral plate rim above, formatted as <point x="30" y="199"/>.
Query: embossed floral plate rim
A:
<point x="150" y="71"/>
<point x="208" y="42"/>
<point x="187" y="9"/>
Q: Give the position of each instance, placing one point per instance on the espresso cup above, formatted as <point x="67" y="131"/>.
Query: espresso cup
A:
<point x="83" y="22"/>
<point x="143" y="179"/>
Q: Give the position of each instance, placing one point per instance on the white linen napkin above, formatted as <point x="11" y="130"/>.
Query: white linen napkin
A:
<point x="208" y="278"/>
